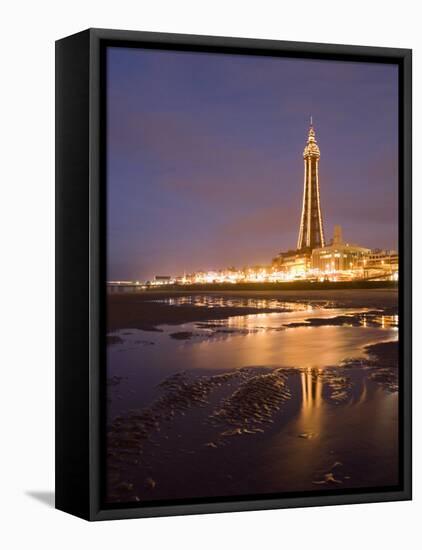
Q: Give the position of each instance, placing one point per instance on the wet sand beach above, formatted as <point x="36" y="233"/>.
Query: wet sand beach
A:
<point x="148" y="309"/>
<point x="239" y="393"/>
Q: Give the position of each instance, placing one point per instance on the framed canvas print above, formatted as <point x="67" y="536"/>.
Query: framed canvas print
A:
<point x="233" y="274"/>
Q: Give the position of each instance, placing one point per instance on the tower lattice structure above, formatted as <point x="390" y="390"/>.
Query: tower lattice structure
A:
<point x="311" y="231"/>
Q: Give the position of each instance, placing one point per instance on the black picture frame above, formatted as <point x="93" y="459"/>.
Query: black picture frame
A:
<point x="80" y="265"/>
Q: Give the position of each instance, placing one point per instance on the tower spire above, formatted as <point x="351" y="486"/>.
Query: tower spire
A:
<point x="311" y="232"/>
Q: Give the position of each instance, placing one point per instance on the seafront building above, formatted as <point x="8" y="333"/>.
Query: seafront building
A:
<point x="381" y="264"/>
<point x="314" y="259"/>
<point x="339" y="258"/>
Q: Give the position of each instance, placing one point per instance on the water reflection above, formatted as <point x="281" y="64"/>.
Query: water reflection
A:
<point x="279" y="320"/>
<point x="347" y="441"/>
<point x="211" y="301"/>
<point x="311" y="391"/>
<point x="260" y="339"/>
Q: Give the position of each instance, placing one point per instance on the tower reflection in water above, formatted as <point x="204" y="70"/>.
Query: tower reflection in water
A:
<point x="312" y="384"/>
<point x="311" y="389"/>
<point x="310" y="413"/>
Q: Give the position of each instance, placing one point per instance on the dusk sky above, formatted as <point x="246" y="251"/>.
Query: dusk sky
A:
<point x="204" y="157"/>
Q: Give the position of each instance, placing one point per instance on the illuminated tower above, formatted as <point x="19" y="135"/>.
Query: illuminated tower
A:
<point x="311" y="232"/>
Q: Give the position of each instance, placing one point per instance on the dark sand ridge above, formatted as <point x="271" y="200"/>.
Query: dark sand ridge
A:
<point x="373" y="318"/>
<point x="139" y="310"/>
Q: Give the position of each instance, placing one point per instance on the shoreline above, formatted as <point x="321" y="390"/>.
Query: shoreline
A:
<point x="269" y="286"/>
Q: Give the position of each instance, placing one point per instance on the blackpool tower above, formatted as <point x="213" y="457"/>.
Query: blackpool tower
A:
<point x="311" y="231"/>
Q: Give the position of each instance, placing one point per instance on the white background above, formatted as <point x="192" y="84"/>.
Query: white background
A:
<point x="28" y="32"/>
